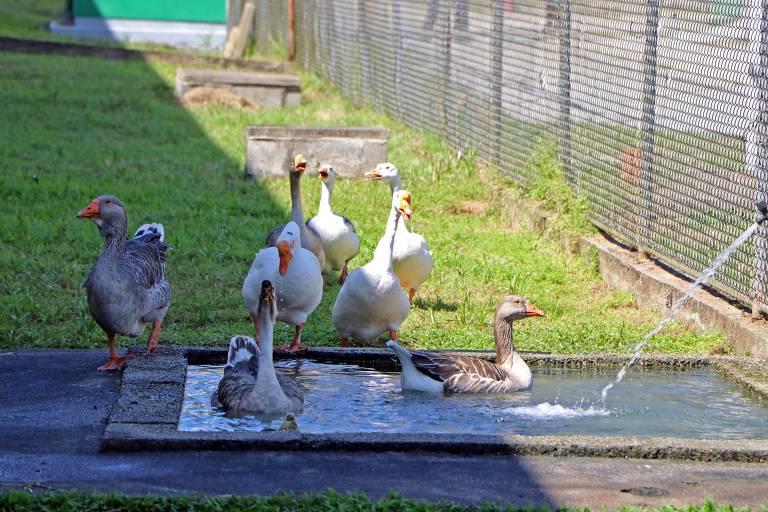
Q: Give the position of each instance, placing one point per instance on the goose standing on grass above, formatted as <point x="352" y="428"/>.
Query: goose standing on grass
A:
<point x="250" y="382"/>
<point x="340" y="240"/>
<point x="295" y="273"/>
<point x="309" y="240"/>
<point x="412" y="259"/>
<point x="371" y="300"/>
<point x="437" y="372"/>
<point x="126" y="287"/>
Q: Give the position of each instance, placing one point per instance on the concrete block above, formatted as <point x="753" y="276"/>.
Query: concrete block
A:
<point x="269" y="150"/>
<point x="263" y="89"/>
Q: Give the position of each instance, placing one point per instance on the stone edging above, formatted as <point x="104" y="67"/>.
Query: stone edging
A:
<point x="146" y="414"/>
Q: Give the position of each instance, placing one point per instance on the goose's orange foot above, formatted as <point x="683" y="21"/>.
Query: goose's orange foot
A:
<point x="344" y="342"/>
<point x="411" y="294"/>
<point x="293" y="347"/>
<point x="115" y="363"/>
<point x="154" y="337"/>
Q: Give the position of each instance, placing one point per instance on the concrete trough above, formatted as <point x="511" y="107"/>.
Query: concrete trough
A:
<point x="148" y="409"/>
<point x="269" y="150"/>
<point x="263" y="89"/>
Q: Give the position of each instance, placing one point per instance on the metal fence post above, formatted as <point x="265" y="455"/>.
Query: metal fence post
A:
<point x="565" y="93"/>
<point x="757" y="148"/>
<point x="397" y="23"/>
<point x="291" y="30"/>
<point x="364" y="52"/>
<point x="649" y="119"/>
<point x="497" y="78"/>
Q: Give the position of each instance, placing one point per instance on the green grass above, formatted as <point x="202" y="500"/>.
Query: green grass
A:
<point x="330" y="501"/>
<point x="79" y="127"/>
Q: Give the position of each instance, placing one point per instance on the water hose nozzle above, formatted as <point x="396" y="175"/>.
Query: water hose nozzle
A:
<point x="762" y="207"/>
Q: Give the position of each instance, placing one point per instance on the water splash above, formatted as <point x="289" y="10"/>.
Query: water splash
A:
<point x="705" y="276"/>
<point x="547" y="411"/>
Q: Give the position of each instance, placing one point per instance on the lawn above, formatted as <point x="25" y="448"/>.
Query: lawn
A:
<point x="79" y="127"/>
<point x="16" y="501"/>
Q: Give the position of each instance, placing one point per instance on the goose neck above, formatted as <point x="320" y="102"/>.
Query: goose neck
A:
<point x="383" y="253"/>
<point x="502" y="334"/>
<point x="267" y="375"/>
<point x="394" y="184"/>
<point x="297" y="214"/>
<point x="114" y="243"/>
<point x="326" y="191"/>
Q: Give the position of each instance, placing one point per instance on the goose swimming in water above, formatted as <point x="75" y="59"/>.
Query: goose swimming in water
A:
<point x="436" y="372"/>
<point x="250" y="382"/>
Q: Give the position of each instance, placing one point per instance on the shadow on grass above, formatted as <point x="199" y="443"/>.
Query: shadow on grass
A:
<point x="77" y="127"/>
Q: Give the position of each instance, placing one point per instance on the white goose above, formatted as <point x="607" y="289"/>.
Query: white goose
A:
<point x="309" y="240"/>
<point x="340" y="241"/>
<point x="371" y="300"/>
<point x="436" y="372"/>
<point x="412" y="259"/>
<point x="250" y="382"/>
<point x="296" y="274"/>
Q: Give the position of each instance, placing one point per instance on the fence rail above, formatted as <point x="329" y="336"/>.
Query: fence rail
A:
<point x="658" y="109"/>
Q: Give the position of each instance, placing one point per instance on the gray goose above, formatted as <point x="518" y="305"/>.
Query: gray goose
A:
<point x="250" y="382"/>
<point x="126" y="287"/>
<point x="437" y="372"/>
<point x="309" y="239"/>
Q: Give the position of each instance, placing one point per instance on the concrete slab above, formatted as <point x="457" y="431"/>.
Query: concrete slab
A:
<point x="263" y="89"/>
<point x="55" y="406"/>
<point x="269" y="150"/>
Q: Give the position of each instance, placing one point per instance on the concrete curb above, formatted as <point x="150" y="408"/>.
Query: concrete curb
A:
<point x="12" y="44"/>
<point x="656" y="288"/>
<point x="146" y="414"/>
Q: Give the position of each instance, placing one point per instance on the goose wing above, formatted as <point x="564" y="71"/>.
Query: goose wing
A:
<point x="459" y="373"/>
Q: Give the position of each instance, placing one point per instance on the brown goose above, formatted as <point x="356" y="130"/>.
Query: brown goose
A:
<point x="126" y="287"/>
<point x="309" y="239"/>
<point x="436" y="372"/>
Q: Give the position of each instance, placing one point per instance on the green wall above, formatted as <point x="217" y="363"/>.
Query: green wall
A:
<point x="206" y="11"/>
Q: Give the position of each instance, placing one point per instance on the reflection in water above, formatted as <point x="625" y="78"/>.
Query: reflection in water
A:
<point x="347" y="398"/>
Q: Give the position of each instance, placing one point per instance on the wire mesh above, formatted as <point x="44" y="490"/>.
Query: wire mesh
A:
<point x="657" y="110"/>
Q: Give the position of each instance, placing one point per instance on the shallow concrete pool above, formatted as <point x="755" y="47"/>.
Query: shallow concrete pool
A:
<point x="693" y="403"/>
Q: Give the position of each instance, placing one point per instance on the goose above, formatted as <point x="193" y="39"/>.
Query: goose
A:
<point x="296" y="274"/>
<point x="412" y="259"/>
<point x="309" y="239"/>
<point x="371" y="300"/>
<point x="250" y="382"/>
<point x="340" y="240"/>
<point x="126" y="287"/>
<point x="437" y="372"/>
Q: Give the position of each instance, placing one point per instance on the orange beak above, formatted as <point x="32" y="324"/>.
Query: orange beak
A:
<point x="89" y="212"/>
<point x="531" y="310"/>
<point x="284" y="250"/>
<point x="300" y="163"/>
<point x="405" y="206"/>
<point x="372" y="175"/>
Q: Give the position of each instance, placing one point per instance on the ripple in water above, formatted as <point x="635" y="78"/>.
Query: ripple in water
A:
<point x="548" y="411"/>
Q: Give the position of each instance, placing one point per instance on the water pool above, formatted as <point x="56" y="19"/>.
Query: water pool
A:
<point x="695" y="403"/>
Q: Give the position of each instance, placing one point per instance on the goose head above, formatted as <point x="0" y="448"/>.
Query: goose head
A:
<point x="267" y="309"/>
<point x="327" y="174"/>
<point x="299" y="165"/>
<point x="401" y="201"/>
<point x="107" y="212"/>
<point x="383" y="172"/>
<point x="515" y="307"/>
<point x="288" y="241"/>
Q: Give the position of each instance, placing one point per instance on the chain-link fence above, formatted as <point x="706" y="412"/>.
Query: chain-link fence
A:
<point x="657" y="109"/>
